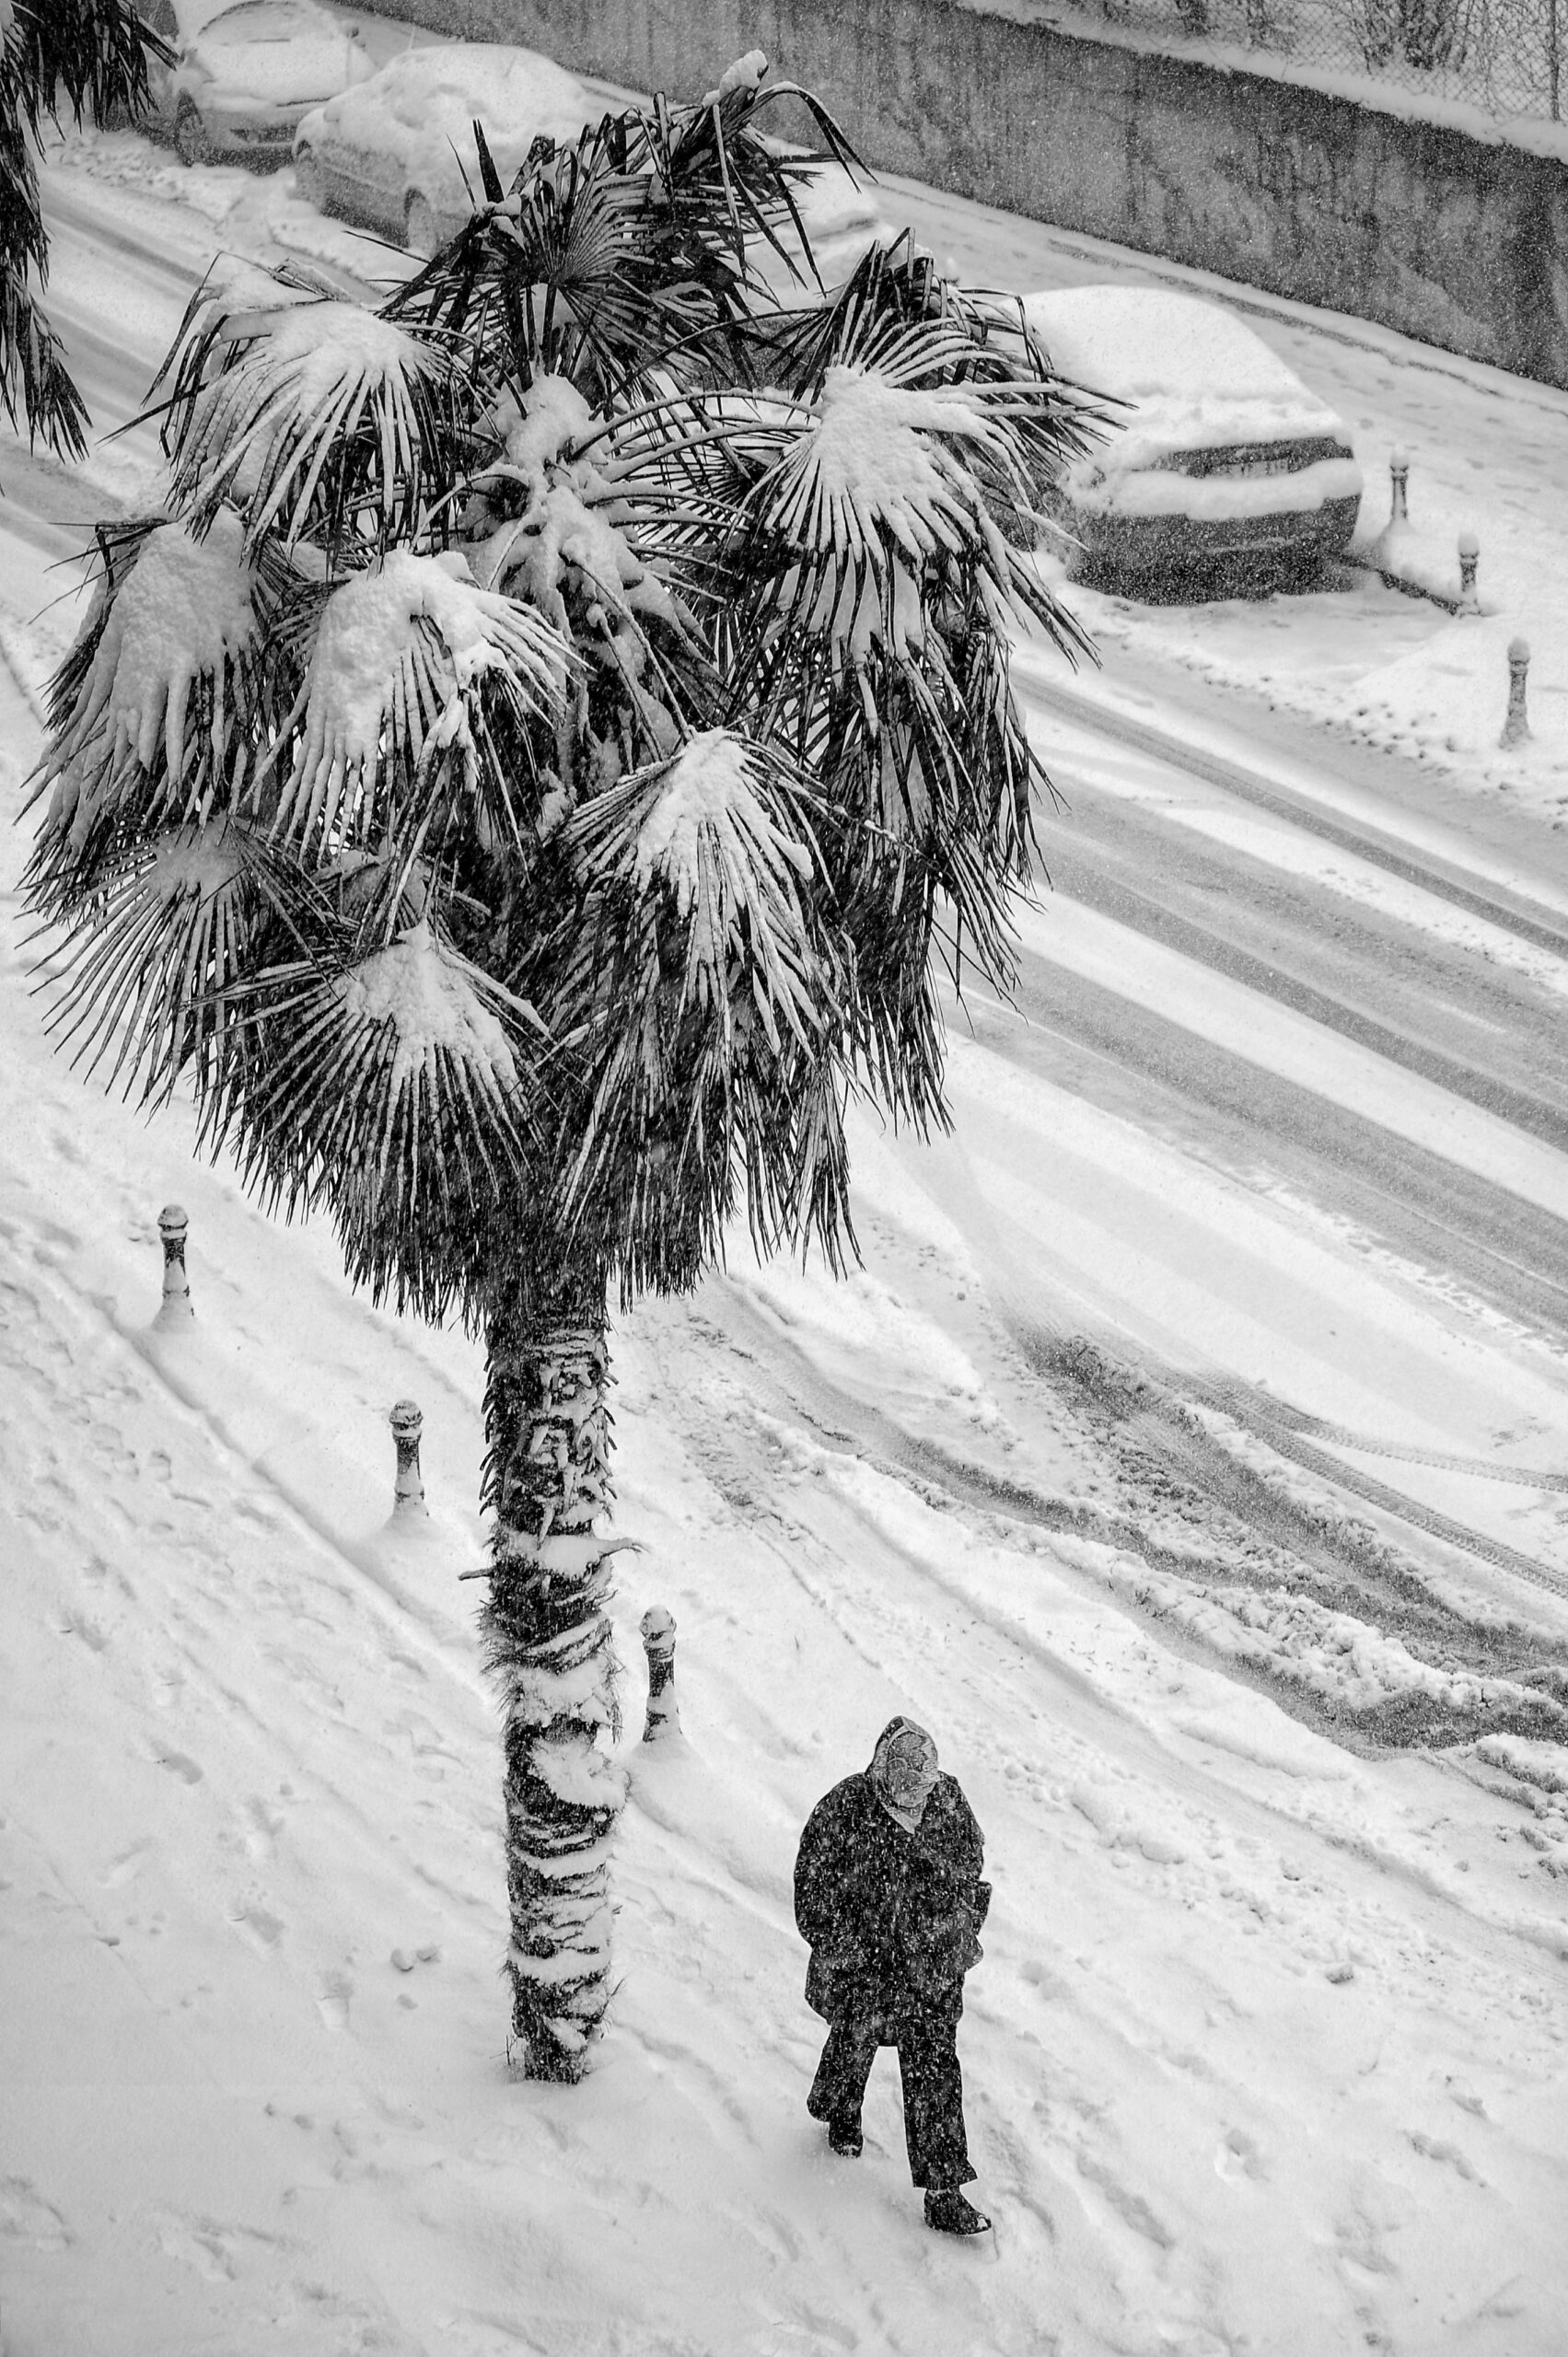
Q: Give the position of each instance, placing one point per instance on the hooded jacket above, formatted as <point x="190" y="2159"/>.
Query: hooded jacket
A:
<point x="892" y="1916"/>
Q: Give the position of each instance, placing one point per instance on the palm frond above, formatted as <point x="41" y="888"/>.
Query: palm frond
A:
<point x="722" y="836"/>
<point x="627" y="253"/>
<point x="308" y="415"/>
<point x="710" y="981"/>
<point x="33" y="375"/>
<point x="91" y="54"/>
<point x="553" y="528"/>
<point x="396" y="1089"/>
<point x="417" y="698"/>
<point x="152" y="972"/>
<point x="155" y="708"/>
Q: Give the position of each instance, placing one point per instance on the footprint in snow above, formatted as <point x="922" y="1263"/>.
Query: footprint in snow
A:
<point x="127" y="1865"/>
<point x="1237" y="2158"/>
<point x="1438" y="2148"/>
<point x="259" y="1926"/>
<point x="333" y="2001"/>
<point x="27" y="2217"/>
<point x="198" y="2245"/>
<point x="264" y="1824"/>
<point x="180" y="1764"/>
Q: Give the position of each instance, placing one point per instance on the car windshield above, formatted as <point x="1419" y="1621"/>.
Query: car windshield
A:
<point x="265" y="20"/>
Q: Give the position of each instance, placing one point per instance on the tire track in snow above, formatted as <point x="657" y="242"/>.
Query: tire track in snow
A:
<point x="1513" y="911"/>
<point x="1237" y="1112"/>
<point x="1081" y="878"/>
<point x="1340" y="1436"/>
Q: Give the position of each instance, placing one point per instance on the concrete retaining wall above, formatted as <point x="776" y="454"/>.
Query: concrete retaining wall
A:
<point x="1456" y="240"/>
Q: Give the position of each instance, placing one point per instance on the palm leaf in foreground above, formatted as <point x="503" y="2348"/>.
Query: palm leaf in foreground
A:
<point x="55" y="56"/>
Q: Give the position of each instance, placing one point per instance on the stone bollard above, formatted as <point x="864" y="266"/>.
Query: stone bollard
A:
<point x="658" y="1643"/>
<point x="1398" y="478"/>
<point x="407" y="1424"/>
<point x="1469" y="557"/>
<point x="175" y="1308"/>
<point x="1517" y="727"/>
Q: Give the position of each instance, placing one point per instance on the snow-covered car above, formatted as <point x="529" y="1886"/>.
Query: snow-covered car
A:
<point x="245" y="71"/>
<point x="1220" y="453"/>
<point x="393" y="151"/>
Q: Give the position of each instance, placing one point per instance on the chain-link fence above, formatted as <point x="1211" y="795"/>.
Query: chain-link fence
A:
<point x="1501" y="55"/>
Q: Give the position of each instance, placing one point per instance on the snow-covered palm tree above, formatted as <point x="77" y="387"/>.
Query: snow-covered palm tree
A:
<point x="83" y="57"/>
<point x="520" y="784"/>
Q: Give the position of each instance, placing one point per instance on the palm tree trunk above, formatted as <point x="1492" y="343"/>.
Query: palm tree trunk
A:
<point x="549" y="1647"/>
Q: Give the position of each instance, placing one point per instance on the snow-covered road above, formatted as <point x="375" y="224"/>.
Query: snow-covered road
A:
<point x="1267" y="2053"/>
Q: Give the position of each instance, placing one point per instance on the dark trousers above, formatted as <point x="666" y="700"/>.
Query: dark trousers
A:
<point x="933" y="2085"/>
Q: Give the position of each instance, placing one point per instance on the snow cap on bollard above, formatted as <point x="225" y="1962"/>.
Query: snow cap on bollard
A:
<point x="175" y="1309"/>
<point x="1469" y="557"/>
<point x="407" y="1424"/>
<point x="1515" y="727"/>
<point x="658" y="1628"/>
<point x="1398" y="479"/>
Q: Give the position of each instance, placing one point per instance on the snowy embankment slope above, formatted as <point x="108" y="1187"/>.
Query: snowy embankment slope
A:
<point x="1267" y="2051"/>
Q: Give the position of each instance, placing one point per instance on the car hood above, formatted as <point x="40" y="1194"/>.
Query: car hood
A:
<point x="301" y="72"/>
<point x="1189" y="375"/>
<point x="442" y="151"/>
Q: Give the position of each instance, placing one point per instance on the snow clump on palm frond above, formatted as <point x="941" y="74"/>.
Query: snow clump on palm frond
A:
<point x="393" y="1088"/>
<point x="542" y="426"/>
<point x="402" y="656"/>
<point x="701" y="827"/>
<point x="746" y="73"/>
<point x="319" y="410"/>
<point x="885" y="487"/>
<point x="872" y="460"/>
<point x="568" y="525"/>
<point x="182" y="620"/>
<point x="429" y="998"/>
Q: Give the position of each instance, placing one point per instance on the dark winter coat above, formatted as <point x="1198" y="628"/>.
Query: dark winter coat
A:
<point x="892" y="1916"/>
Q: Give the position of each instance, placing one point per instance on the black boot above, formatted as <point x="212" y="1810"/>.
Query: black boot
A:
<point x="844" y="2136"/>
<point x="949" y="2213"/>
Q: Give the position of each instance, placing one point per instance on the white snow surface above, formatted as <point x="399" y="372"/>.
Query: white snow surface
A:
<point x="1267" y="2051"/>
<point x="744" y="74"/>
<point x="1142" y="343"/>
<point x="1188" y="377"/>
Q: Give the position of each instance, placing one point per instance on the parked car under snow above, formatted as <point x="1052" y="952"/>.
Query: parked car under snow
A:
<point x="245" y="71"/>
<point x="393" y="151"/>
<point x="1221" y="455"/>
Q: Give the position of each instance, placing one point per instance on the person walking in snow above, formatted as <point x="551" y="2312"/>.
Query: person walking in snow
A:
<point x="889" y="1896"/>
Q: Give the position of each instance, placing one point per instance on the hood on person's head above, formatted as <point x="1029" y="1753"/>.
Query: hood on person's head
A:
<point x="904" y="1763"/>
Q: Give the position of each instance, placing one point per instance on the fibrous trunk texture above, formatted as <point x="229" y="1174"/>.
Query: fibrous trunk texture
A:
<point x="549" y="1648"/>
